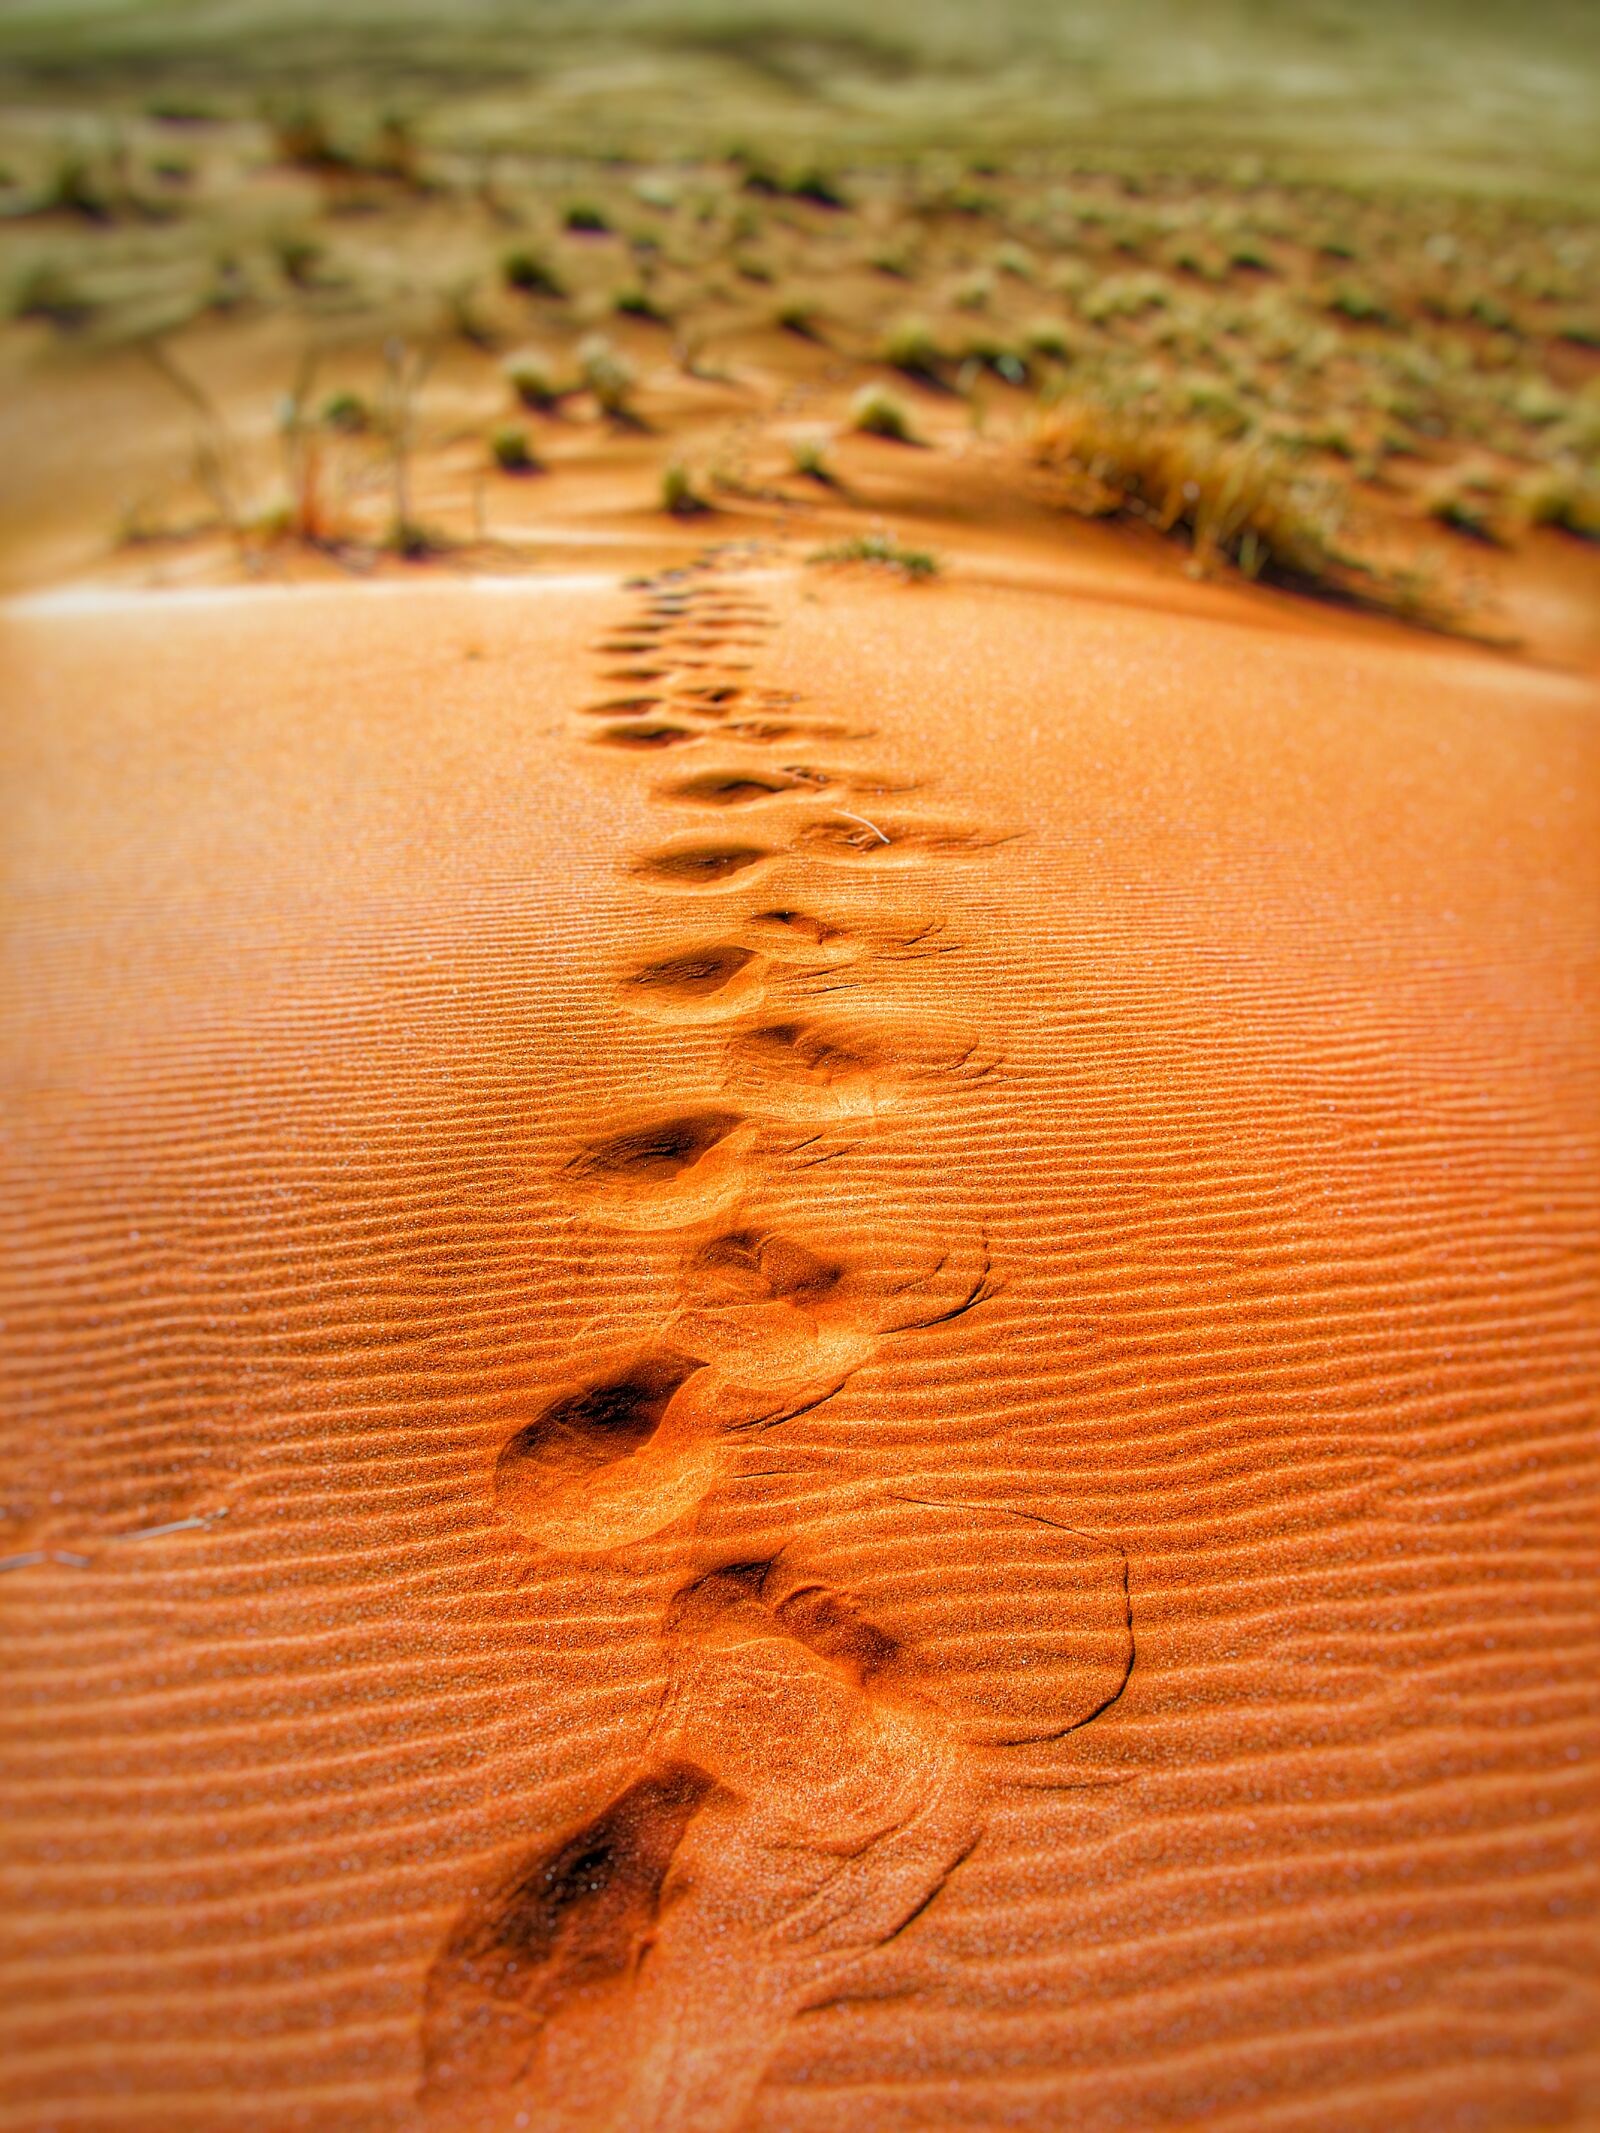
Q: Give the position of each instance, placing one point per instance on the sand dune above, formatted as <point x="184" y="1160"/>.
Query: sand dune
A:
<point x="795" y="1353"/>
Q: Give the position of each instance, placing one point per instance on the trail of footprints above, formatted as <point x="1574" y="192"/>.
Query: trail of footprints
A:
<point x="851" y="1664"/>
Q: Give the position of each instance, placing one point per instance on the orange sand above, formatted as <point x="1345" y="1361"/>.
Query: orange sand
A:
<point x="866" y="1318"/>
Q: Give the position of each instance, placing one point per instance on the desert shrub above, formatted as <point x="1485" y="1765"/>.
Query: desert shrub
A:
<point x="911" y="345"/>
<point x="1238" y="502"/>
<point x="533" y="382"/>
<point x="44" y="290"/>
<point x="883" y="550"/>
<point x="809" y="456"/>
<point x="987" y="351"/>
<point x="1045" y="338"/>
<point x="679" y="494"/>
<point x="1470" y="505"/>
<point x="877" y="413"/>
<point x="394" y="151"/>
<point x="511" y="451"/>
<point x="76" y="185"/>
<point x="637" y="302"/>
<point x="346" y="411"/>
<point x="811" y="182"/>
<point x="608" y="376"/>
<point x="302" y="138"/>
<point x="530" y="273"/>
<point x="1566" y="496"/>
<point x="585" y="219"/>
<point x="298" y="257"/>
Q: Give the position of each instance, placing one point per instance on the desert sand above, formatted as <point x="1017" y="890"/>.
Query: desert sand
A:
<point x="798" y="1353"/>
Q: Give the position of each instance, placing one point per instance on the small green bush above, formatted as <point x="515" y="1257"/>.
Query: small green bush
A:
<point x="910" y="345"/>
<point x="609" y="376"/>
<point x="533" y="382"/>
<point x="512" y="452"/>
<point x="809" y="456"/>
<point x="877" y="413"/>
<point x="678" y="492"/>
<point x="531" y="274"/>
<point x="884" y="551"/>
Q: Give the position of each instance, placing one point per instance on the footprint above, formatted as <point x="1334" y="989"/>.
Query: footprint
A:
<point x="798" y="936"/>
<point x="706" y="984"/>
<point x="790" y="1309"/>
<point x="734" y="788"/>
<point x="713" y="696"/>
<point x="890" y="840"/>
<point x="1008" y="1628"/>
<point x="770" y="731"/>
<point x="623" y="706"/>
<point x="567" y="1930"/>
<point x="615" y="1460"/>
<point x="731" y="788"/>
<point x="699" y="866"/>
<point x="810" y="1065"/>
<point x="634" y="1449"/>
<point x="775" y="1309"/>
<point x="841" y="1707"/>
<point x="667" y="1169"/>
<point x="646" y="733"/>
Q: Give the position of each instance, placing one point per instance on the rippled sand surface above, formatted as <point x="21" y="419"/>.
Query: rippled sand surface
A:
<point x="794" y="1354"/>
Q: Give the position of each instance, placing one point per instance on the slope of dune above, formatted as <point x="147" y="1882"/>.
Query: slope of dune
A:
<point x="789" y="1352"/>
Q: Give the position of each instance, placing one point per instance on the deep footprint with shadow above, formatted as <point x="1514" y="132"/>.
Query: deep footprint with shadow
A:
<point x="705" y="984"/>
<point x="646" y="734"/>
<point x="795" y="1310"/>
<point x="635" y="1449"/>
<point x="699" y="866"/>
<point x="887" y="840"/>
<point x="844" y="1701"/>
<point x="622" y="706"/>
<point x="797" y="936"/>
<point x="665" y="1169"/>
<point x="613" y="1460"/>
<point x="562" y="1932"/>
<point x="732" y="788"/>
<point x="827" y="1067"/>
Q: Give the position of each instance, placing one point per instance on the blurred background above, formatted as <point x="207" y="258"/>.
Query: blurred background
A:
<point x="255" y="256"/>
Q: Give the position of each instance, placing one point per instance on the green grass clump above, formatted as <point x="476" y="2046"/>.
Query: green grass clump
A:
<point x="303" y="139"/>
<point x="531" y="274"/>
<point x="76" y="186"/>
<point x="810" y="182"/>
<point x="298" y="256"/>
<point x="512" y="452"/>
<point x="679" y="495"/>
<point x="1469" y="505"/>
<point x="797" y="317"/>
<point x="44" y="290"/>
<point x="608" y="376"/>
<point x="911" y="345"/>
<point x="1565" y="496"/>
<point x="875" y="412"/>
<point x="533" y="382"/>
<point x="346" y="411"/>
<point x="1238" y="502"/>
<point x="809" y="456"/>
<point x="817" y="185"/>
<point x="637" y="302"/>
<point x="887" y="553"/>
<point x="585" y="219"/>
